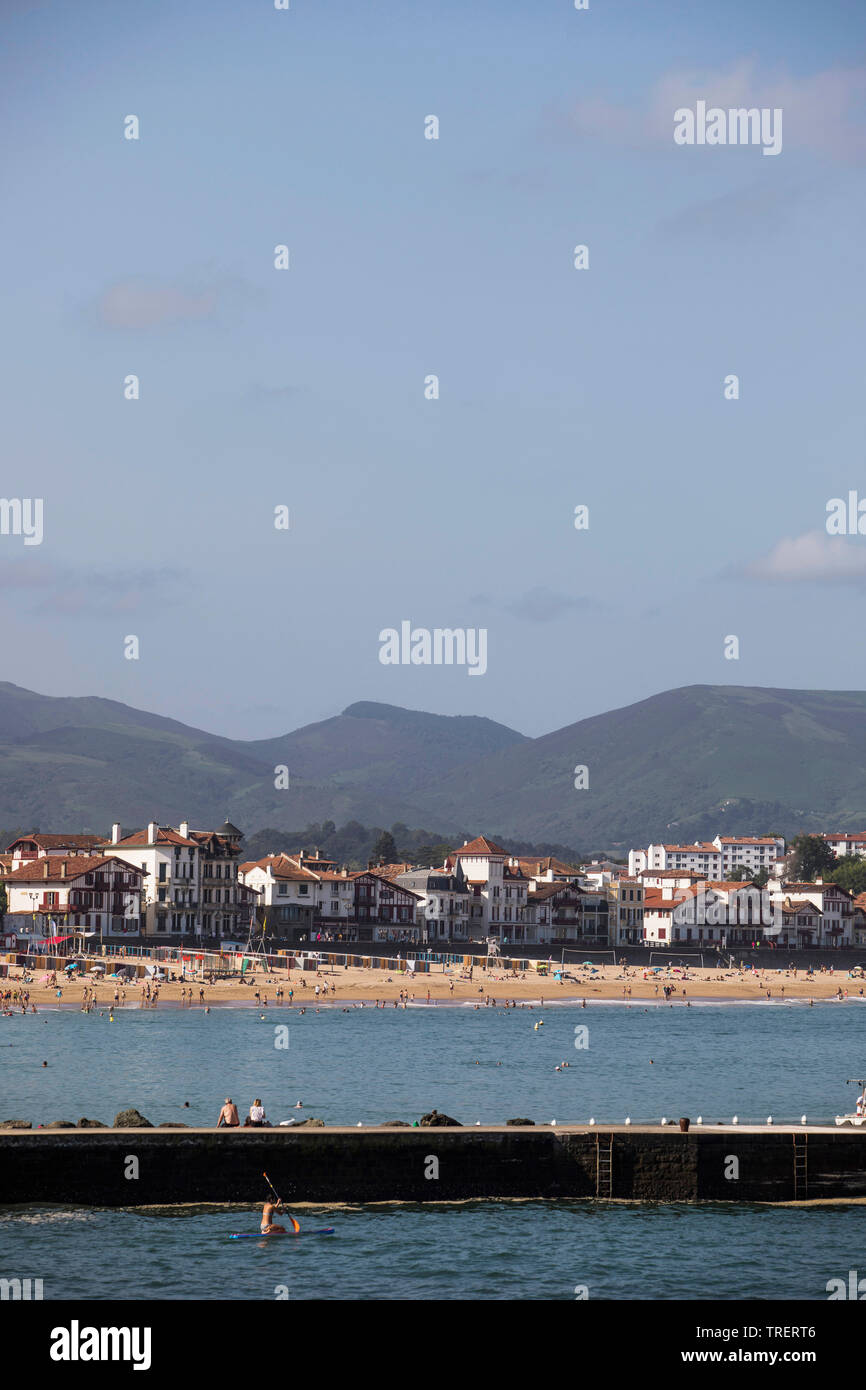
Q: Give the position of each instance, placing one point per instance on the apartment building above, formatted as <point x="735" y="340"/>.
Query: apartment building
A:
<point x="497" y="889"/>
<point x="626" y="897"/>
<point x="843" y="844"/>
<point x="443" y="903"/>
<point x="566" y="914"/>
<point x="715" y="858"/>
<point x="287" y="895"/>
<point x="707" y="915"/>
<point x="54" y="895"/>
<point x="835" y="906"/>
<point x="36" y="846"/>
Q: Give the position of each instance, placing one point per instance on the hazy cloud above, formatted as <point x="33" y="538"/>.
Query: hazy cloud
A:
<point x="539" y="605"/>
<point x="88" y="593"/>
<point x="758" y="209"/>
<point x="134" y="304"/>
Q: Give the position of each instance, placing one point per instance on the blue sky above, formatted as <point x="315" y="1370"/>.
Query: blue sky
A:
<point x="410" y="257"/>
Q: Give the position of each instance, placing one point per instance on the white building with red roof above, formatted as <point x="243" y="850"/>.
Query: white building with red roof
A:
<point x="287" y="894"/>
<point x="835" y="907"/>
<point x="58" y="894"/>
<point x="191" y="879"/>
<point x="498" y="890"/>
<point x="845" y="843"/>
<point x="37" y="846"/>
<point x="715" y="858"/>
<point x="708" y="915"/>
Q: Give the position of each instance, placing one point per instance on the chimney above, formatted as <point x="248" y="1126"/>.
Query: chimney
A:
<point x="45" y="868"/>
<point x="184" y="829"/>
<point x="152" y="830"/>
<point x="115" y="833"/>
<point x="63" y="869"/>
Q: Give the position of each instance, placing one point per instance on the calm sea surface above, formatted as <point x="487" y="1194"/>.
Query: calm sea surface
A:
<point x="372" y="1065"/>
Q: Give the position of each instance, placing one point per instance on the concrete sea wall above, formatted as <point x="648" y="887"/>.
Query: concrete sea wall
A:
<point x="152" y="1167"/>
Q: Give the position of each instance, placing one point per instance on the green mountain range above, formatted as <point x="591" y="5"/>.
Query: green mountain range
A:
<point x="681" y="765"/>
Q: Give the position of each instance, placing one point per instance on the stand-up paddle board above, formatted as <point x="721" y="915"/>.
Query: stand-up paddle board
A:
<point x="266" y="1235"/>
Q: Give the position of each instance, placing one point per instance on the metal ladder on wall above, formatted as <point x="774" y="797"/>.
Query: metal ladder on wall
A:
<point x="604" y="1165"/>
<point x="801" y="1167"/>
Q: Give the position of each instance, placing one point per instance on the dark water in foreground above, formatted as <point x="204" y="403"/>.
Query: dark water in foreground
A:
<point x="477" y="1251"/>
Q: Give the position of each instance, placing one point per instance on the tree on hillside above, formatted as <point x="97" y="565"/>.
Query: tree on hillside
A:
<point x="432" y="856"/>
<point x="810" y="858"/>
<point x="850" y="873"/>
<point x="3" y="902"/>
<point x="384" y="848"/>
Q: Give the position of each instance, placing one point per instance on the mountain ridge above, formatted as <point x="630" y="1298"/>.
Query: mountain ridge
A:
<point x="683" y="763"/>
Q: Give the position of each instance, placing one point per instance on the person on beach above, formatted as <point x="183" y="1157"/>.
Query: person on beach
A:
<point x="228" y="1116"/>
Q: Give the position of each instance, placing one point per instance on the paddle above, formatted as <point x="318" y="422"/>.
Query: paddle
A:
<point x="295" y="1225"/>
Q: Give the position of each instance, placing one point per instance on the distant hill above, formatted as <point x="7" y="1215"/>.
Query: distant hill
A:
<point x="678" y="766"/>
<point x="67" y="763"/>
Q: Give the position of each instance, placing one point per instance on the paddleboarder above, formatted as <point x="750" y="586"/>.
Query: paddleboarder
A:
<point x="268" y="1226"/>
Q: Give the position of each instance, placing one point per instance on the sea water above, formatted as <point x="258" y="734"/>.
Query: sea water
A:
<point x="640" y="1061"/>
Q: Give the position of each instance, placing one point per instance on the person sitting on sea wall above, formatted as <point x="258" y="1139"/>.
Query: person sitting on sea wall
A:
<point x="257" y="1116"/>
<point x="228" y="1116"/>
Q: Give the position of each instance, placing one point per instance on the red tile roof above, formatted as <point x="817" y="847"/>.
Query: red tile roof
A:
<point x="165" y="835"/>
<point x="61" y="841"/>
<point x="749" y="839"/>
<point x="282" y="866"/>
<point x="76" y="866"/>
<point x="480" y="846"/>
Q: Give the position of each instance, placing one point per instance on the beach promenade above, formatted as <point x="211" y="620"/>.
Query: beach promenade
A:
<point x="367" y="985"/>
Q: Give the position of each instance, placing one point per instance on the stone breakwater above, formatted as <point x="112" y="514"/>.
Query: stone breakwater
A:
<point x="145" y="1167"/>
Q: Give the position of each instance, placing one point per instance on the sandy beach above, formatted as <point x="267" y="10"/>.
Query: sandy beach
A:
<point x="451" y="985"/>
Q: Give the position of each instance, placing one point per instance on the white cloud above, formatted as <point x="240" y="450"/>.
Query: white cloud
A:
<point x="822" y="112"/>
<point x="813" y="557"/>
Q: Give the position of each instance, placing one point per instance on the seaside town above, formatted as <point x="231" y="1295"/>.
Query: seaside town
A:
<point x="177" y="886"/>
